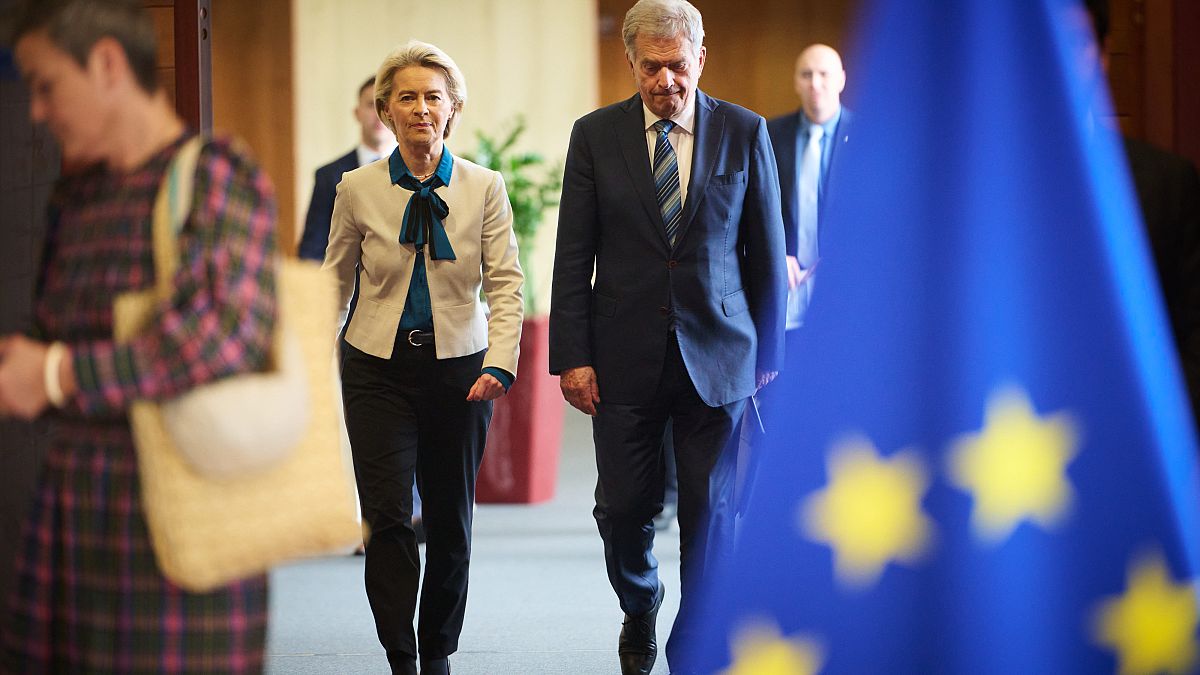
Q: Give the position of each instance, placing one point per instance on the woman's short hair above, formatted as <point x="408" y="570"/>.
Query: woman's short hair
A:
<point x="662" y="19"/>
<point x="423" y="54"/>
<point x="75" y="26"/>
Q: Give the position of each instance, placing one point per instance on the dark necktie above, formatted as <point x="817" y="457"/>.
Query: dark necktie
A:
<point x="666" y="180"/>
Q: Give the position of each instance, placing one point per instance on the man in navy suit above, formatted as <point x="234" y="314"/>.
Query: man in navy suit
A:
<point x="672" y="197"/>
<point x="815" y="133"/>
<point x="376" y="141"/>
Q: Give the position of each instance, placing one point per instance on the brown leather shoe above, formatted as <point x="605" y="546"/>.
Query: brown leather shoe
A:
<point x="638" y="646"/>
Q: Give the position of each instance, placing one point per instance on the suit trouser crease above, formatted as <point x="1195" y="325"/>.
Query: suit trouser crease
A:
<point x="408" y="419"/>
<point x="629" y="488"/>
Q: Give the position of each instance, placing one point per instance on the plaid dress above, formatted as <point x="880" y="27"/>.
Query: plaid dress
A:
<point x="89" y="596"/>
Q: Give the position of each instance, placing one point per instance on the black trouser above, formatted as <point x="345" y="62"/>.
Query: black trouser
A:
<point x="629" y="490"/>
<point x="408" y="417"/>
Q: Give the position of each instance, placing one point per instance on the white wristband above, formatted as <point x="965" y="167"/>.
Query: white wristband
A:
<point x="54" y="356"/>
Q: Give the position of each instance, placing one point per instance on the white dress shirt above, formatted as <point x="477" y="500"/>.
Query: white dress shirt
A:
<point x="367" y="155"/>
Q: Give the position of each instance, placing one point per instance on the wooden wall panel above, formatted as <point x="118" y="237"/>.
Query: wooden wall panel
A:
<point x="164" y="28"/>
<point x="1186" y="106"/>
<point x="1126" y="63"/>
<point x="252" y="92"/>
<point x="183" y="57"/>
<point x="1153" y="58"/>
<point x="193" y="63"/>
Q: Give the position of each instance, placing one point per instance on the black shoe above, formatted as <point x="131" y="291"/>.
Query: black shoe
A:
<point x="638" y="646"/>
<point x="663" y="520"/>
<point x="435" y="666"/>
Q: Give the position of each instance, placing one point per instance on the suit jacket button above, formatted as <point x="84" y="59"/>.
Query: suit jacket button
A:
<point x="671" y="264"/>
<point x="664" y="311"/>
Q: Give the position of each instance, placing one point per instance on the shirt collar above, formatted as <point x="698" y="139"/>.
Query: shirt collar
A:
<point x="399" y="170"/>
<point x="829" y="126"/>
<point x="685" y="120"/>
<point x="367" y="155"/>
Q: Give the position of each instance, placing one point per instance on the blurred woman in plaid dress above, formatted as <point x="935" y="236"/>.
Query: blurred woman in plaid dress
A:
<point x="89" y="596"/>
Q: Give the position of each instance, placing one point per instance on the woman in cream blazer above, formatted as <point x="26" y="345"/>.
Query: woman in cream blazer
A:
<point x="422" y="232"/>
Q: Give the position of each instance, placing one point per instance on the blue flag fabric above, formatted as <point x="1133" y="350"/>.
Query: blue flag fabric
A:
<point x="981" y="460"/>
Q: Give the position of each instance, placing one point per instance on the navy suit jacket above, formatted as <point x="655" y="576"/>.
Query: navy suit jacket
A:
<point x="784" y="131"/>
<point x="723" y="285"/>
<point x="320" y="208"/>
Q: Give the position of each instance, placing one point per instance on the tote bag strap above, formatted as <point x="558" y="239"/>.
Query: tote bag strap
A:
<point x="171" y="209"/>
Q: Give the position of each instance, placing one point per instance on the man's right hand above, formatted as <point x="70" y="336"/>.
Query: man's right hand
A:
<point x="579" y="388"/>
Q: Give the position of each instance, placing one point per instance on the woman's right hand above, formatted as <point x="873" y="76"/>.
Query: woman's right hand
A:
<point x="486" y="388"/>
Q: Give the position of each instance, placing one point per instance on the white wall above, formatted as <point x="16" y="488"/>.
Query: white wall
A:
<point x="537" y="58"/>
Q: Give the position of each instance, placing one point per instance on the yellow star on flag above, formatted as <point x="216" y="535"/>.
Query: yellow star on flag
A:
<point x="1015" y="468"/>
<point x="870" y="512"/>
<point x="1152" y="627"/>
<point x="761" y="650"/>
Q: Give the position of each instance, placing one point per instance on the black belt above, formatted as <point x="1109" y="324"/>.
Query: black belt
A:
<point x="420" y="338"/>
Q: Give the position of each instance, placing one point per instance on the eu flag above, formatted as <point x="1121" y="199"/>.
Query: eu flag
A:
<point x="981" y="459"/>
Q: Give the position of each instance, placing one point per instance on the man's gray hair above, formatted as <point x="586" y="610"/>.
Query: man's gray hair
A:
<point x="422" y="54"/>
<point x="662" y="19"/>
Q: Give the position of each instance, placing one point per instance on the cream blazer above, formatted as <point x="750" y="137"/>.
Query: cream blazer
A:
<point x="364" y="239"/>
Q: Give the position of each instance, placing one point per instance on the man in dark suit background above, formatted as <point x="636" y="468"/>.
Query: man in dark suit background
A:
<point x="1168" y="192"/>
<point x="806" y="144"/>
<point x="375" y="141"/>
<point x="672" y="198"/>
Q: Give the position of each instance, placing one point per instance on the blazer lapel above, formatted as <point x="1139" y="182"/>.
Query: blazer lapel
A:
<point x="786" y="150"/>
<point x="710" y="133"/>
<point x="841" y="136"/>
<point x="785" y="153"/>
<point x="631" y="135"/>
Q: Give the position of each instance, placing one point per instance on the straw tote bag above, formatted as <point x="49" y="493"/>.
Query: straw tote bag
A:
<point x="213" y="521"/>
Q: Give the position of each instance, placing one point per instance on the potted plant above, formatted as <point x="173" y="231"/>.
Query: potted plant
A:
<point x="533" y="186"/>
<point x="520" y="462"/>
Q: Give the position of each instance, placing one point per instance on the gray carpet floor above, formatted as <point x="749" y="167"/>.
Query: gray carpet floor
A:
<point x="539" y="602"/>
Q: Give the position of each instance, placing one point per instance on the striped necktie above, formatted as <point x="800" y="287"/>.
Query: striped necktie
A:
<point x="666" y="180"/>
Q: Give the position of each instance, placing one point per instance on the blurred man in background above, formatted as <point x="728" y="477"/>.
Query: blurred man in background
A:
<point x="805" y="143"/>
<point x="375" y="142"/>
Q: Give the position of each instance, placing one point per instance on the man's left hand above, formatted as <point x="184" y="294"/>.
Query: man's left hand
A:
<point x="764" y="377"/>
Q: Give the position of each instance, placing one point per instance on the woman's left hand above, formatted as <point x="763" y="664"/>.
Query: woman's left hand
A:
<point x="486" y="388"/>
